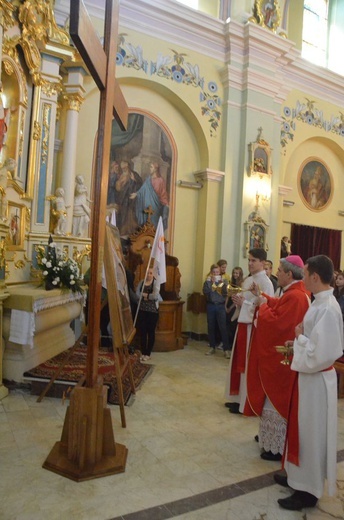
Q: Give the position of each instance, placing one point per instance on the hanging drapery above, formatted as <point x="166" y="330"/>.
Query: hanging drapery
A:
<point x="135" y="125"/>
<point x="310" y="241"/>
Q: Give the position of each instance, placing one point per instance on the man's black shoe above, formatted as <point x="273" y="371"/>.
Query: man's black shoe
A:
<point x="268" y="455"/>
<point x="234" y="408"/>
<point x="256" y="438"/>
<point x="231" y="405"/>
<point x="282" y="480"/>
<point x="298" y="501"/>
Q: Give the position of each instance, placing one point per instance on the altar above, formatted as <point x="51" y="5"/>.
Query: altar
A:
<point x="36" y="326"/>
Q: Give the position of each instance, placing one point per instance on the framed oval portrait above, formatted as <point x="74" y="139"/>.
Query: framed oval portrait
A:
<point x="315" y="184"/>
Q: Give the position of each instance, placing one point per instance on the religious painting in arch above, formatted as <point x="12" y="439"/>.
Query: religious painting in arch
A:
<point x="315" y="184"/>
<point x="142" y="173"/>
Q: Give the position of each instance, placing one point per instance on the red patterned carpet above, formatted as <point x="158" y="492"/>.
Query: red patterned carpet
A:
<point x="75" y="369"/>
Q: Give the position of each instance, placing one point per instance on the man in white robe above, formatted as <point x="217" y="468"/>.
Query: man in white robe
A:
<point x="312" y="429"/>
<point x="247" y="302"/>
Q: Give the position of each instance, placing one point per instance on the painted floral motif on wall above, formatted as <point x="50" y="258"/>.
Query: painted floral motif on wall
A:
<point x="174" y="67"/>
<point x="309" y="113"/>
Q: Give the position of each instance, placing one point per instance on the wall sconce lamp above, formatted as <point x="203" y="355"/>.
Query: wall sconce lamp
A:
<point x="187" y="184"/>
<point x="341" y="213"/>
<point x="288" y="203"/>
<point x="261" y="197"/>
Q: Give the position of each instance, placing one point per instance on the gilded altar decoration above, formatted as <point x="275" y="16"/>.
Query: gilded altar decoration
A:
<point x="2" y="254"/>
<point x="38" y="27"/>
<point x="19" y="264"/>
<point x="46" y="132"/>
<point x="6" y="13"/>
<point x="11" y="258"/>
<point x="38" y="24"/>
<point x="74" y="101"/>
<point x="37" y="131"/>
<point x="80" y="255"/>
<point x="58" y="271"/>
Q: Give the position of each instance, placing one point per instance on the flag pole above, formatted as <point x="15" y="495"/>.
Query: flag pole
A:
<point x="141" y="293"/>
<point x="158" y="233"/>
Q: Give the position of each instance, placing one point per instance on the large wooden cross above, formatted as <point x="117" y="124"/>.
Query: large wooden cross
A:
<point x="87" y="448"/>
<point x="101" y="62"/>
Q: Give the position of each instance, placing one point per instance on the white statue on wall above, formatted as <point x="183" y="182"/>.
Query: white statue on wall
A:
<point x="81" y="210"/>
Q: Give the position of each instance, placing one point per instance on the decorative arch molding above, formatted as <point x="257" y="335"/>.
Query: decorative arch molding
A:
<point x="173" y="66"/>
<point x="184" y="110"/>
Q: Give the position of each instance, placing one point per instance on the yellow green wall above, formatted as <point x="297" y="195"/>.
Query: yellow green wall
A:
<point x="312" y="141"/>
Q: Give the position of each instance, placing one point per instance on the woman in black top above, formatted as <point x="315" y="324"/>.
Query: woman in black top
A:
<point x="148" y="314"/>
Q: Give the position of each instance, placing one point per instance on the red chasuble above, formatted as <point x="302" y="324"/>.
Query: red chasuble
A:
<point x="239" y="358"/>
<point x="266" y="375"/>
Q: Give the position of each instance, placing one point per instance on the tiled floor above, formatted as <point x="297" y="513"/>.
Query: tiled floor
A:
<point x="188" y="457"/>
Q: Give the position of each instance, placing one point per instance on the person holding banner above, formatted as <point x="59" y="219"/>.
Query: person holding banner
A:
<point x="148" y="292"/>
<point x="148" y="313"/>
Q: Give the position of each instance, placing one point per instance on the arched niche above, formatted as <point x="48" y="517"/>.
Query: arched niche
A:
<point x="16" y="98"/>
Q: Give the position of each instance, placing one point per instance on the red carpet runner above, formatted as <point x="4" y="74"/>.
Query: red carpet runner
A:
<point x="75" y="368"/>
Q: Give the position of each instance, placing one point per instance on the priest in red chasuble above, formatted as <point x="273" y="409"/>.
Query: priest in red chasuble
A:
<point x="269" y="382"/>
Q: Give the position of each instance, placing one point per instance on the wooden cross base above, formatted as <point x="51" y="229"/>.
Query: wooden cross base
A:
<point x="87" y="448"/>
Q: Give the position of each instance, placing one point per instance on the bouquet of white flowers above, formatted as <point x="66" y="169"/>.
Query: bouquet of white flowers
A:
<point x="58" y="271"/>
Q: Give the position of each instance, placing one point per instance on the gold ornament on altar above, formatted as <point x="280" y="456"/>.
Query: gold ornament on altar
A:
<point x="287" y="352"/>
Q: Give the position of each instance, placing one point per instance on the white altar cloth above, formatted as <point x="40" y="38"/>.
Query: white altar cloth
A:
<point x="37" y="326"/>
<point x="22" y="325"/>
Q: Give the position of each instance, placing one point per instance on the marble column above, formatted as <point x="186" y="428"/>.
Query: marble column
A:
<point x="208" y="217"/>
<point x="74" y="97"/>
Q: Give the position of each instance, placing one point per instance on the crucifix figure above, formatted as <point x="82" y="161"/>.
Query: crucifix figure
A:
<point x="149" y="212"/>
<point x="87" y="448"/>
